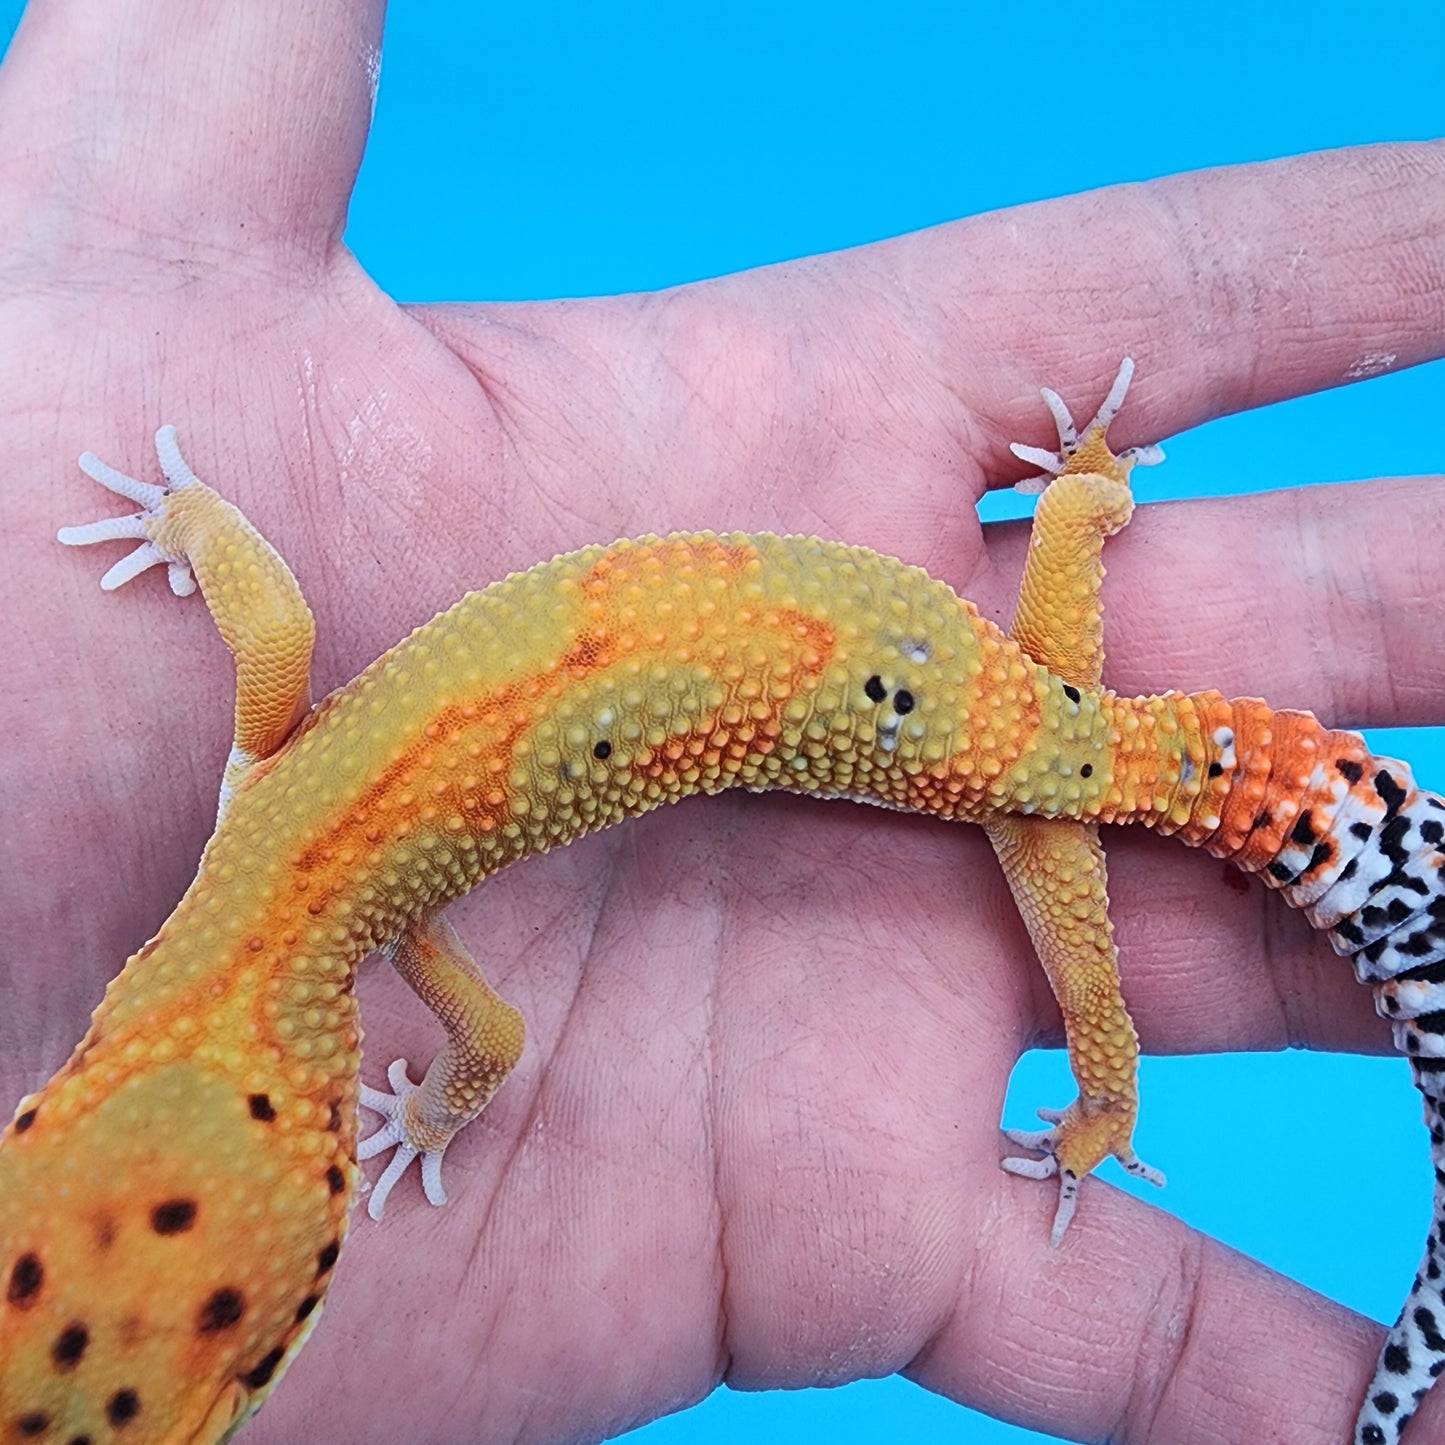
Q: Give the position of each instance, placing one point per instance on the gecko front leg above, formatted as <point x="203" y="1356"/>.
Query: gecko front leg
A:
<point x="263" y="619"/>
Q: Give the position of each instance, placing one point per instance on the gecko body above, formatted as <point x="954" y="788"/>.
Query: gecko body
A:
<point x="215" y="1093"/>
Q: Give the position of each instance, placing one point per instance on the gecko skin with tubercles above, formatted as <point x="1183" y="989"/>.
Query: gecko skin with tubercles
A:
<point x="213" y="1100"/>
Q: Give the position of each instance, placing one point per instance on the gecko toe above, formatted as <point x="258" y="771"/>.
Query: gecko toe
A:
<point x="393" y="1134"/>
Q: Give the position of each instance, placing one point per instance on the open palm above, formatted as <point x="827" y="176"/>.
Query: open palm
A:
<point x="754" y="1133"/>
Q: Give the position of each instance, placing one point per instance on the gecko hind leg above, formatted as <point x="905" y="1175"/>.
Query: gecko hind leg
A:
<point x="1055" y="869"/>
<point x="484" y="1041"/>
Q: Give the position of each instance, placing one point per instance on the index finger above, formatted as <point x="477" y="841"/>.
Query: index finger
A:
<point x="1232" y="288"/>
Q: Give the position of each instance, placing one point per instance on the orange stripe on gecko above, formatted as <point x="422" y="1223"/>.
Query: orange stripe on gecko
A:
<point x="487" y="731"/>
<point x="1248" y="775"/>
<point x="1292" y="755"/>
<point x="679" y="555"/>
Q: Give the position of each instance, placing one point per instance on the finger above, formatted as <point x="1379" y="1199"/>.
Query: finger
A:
<point x="242" y="123"/>
<point x="1320" y="598"/>
<point x="1138" y="1329"/>
<point x="871" y="390"/>
<point x="1231" y="288"/>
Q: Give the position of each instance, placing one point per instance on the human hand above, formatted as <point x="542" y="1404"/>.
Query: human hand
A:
<point x="755" y="1131"/>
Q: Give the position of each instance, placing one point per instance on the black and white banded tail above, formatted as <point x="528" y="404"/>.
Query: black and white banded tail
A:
<point x="1352" y="841"/>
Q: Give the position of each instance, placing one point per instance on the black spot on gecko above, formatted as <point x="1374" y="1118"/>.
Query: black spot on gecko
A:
<point x="1349" y="770"/>
<point x="26" y="1278"/>
<point x="306" y="1306"/>
<point x="1431" y="830"/>
<point x="1391" y="793"/>
<point x="33" y="1424"/>
<point x="25" y="1120"/>
<point x="602" y="749"/>
<point x="1323" y="852"/>
<point x="1418" y="944"/>
<point x="1262" y="821"/>
<point x="1428" y="1066"/>
<point x="69" y="1346"/>
<point x="1361" y="831"/>
<point x="1348" y="871"/>
<point x="1087" y="771"/>
<point x="1372" y="1435"/>
<point x="1429" y="1330"/>
<point x="1303" y="831"/>
<point x="79" y="1440"/>
<point x="1216" y="770"/>
<point x="1385" y="1402"/>
<point x="122" y="1407"/>
<point x="1070" y="692"/>
<point x="874" y="690"/>
<point x="328" y="1256"/>
<point x="175" y="1216"/>
<point x="1349" y="930"/>
<point x="903" y="702"/>
<point x="1281" y="871"/>
<point x="1396" y="1359"/>
<point x="335" y="1179"/>
<point x="261" y="1108"/>
<point x="224" y="1309"/>
<point x="260" y="1373"/>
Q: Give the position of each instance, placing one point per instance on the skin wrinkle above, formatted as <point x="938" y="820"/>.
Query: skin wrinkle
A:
<point x="722" y="1363"/>
<point x="493" y="393"/>
<point x="1163" y="1352"/>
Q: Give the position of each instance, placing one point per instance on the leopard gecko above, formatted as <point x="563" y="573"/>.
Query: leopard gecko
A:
<point x="215" y="1094"/>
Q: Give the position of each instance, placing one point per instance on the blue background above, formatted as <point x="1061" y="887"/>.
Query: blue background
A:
<point x="558" y="149"/>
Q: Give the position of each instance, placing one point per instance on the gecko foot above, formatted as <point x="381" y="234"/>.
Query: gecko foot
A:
<point x="1072" y="1133"/>
<point x="140" y="525"/>
<point x="394" y="1134"/>
<point x="1052" y="463"/>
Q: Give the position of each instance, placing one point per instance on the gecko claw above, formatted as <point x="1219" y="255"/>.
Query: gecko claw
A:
<point x="1134" y="1165"/>
<point x="1040" y="1139"/>
<point x="1051" y="464"/>
<point x="1047" y="1142"/>
<point x="138" y="526"/>
<point x="1046" y="1168"/>
<point x="393" y="1134"/>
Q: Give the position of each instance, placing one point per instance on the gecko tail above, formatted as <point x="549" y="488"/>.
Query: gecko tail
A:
<point x="1355" y="844"/>
<point x="1413" y="1356"/>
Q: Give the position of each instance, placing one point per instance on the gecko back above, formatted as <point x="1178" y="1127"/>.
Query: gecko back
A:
<point x="158" y="1256"/>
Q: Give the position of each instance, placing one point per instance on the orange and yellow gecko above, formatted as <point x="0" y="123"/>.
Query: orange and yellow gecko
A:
<point x="215" y="1093"/>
